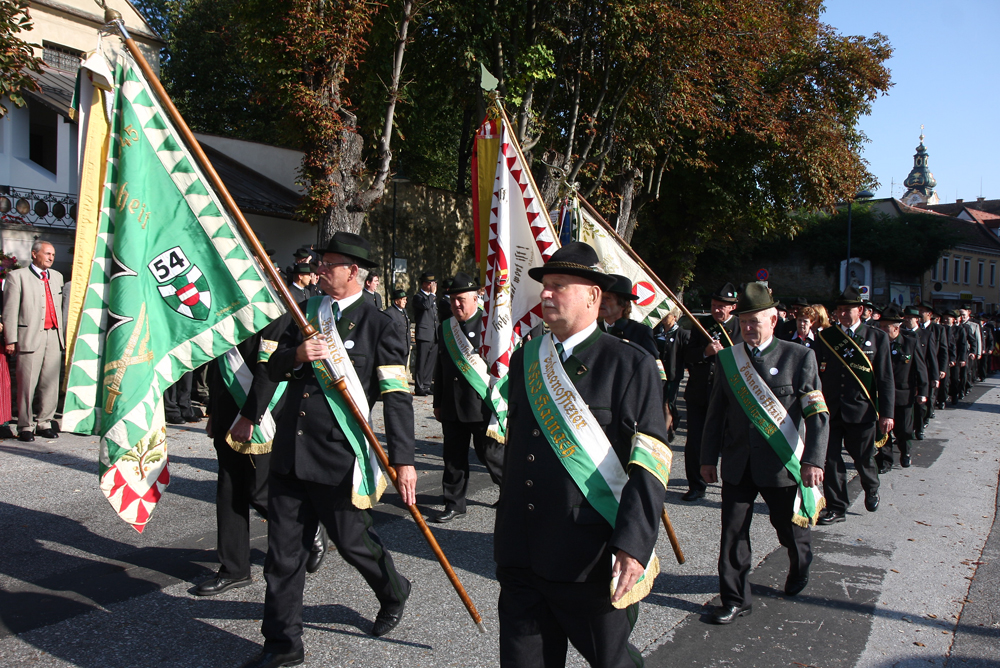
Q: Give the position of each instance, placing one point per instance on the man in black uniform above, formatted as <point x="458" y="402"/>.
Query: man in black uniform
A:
<point x="554" y="542"/>
<point x="785" y="330"/>
<point x="751" y="463"/>
<point x="918" y="319"/>
<point x="425" y="315"/>
<point x="699" y="356"/>
<point x="460" y="400"/>
<point x="616" y="312"/>
<point x="301" y="282"/>
<point x="371" y="289"/>
<point x="909" y="372"/>
<point x="674" y="338"/>
<point x="397" y="311"/>
<point x="960" y="338"/>
<point x="861" y="398"/>
<point x="321" y="469"/>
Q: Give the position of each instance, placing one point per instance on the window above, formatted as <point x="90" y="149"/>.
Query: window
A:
<point x="43" y="134"/>
<point x="958" y="271"/>
<point x="982" y="268"/>
<point x="934" y="272"/>
<point x="61" y="57"/>
<point x="966" y="275"/>
<point x="944" y="269"/>
<point x="993" y="274"/>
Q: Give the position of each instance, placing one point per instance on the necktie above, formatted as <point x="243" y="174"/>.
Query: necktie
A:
<point x="756" y="352"/>
<point x="559" y="349"/>
<point x="336" y="312"/>
<point x="50" y="308"/>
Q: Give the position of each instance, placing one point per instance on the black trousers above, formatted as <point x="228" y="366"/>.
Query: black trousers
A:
<point x="734" y="550"/>
<point x="242" y="484"/>
<point x="670" y="388"/>
<point x="294" y="509"/>
<point x="538" y="617"/>
<point x="692" y="449"/>
<point x="859" y="441"/>
<point x="944" y="388"/>
<point x="423" y="370"/>
<point x="904" y="423"/>
<point x="957" y="382"/>
<point x="177" y="398"/>
<point x="455" y="480"/>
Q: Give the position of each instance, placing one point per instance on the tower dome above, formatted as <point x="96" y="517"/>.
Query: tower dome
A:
<point x="920" y="182"/>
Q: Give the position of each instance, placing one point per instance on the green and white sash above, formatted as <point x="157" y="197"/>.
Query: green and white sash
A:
<point x="772" y="421"/>
<point x="368" y="481"/>
<point x="238" y="379"/>
<point x="582" y="446"/>
<point x="473" y="368"/>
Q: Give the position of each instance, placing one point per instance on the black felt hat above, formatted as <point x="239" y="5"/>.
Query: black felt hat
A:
<point x="398" y="294"/>
<point x="303" y="253"/>
<point x="727" y="294"/>
<point x="928" y="307"/>
<point x="800" y="301"/>
<point x="891" y="314"/>
<point x="461" y="283"/>
<point x="911" y="311"/>
<point x="428" y="277"/>
<point x="303" y="268"/>
<point x="850" y="297"/>
<point x="353" y="246"/>
<point x="623" y="287"/>
<point x="575" y="259"/>
<point x="755" y="297"/>
<point x="781" y="306"/>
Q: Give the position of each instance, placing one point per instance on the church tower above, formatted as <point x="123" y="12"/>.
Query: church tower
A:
<point x="920" y="182"/>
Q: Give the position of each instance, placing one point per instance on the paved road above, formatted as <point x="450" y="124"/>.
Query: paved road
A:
<point x="914" y="584"/>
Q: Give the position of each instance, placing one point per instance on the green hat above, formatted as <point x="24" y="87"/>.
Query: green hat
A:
<point x="398" y="294"/>
<point x="911" y="311"/>
<point x="353" y="246"/>
<point x="461" y="284"/>
<point x="755" y="297"/>
<point x="303" y="268"/>
<point x="623" y="287"/>
<point x="850" y="297"/>
<point x="891" y="314"/>
<point x="302" y="253"/>
<point x="727" y="294"/>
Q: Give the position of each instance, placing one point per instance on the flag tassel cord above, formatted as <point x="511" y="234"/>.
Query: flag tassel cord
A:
<point x="114" y="19"/>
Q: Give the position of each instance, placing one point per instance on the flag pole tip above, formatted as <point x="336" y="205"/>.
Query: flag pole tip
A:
<point x="481" y="626"/>
<point x="112" y="15"/>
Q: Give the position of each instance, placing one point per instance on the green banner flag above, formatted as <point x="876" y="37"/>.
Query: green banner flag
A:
<point x="172" y="285"/>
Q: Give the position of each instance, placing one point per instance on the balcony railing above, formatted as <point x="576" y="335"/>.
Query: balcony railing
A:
<point x="40" y="208"/>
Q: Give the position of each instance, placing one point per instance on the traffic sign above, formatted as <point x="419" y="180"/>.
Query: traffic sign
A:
<point x="762" y="274"/>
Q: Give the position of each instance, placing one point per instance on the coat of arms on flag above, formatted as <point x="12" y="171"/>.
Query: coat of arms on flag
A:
<point x="183" y="285"/>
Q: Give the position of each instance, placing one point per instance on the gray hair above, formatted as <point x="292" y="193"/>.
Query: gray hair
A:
<point x="37" y="246"/>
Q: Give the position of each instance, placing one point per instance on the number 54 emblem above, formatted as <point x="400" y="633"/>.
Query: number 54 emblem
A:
<point x="182" y="285"/>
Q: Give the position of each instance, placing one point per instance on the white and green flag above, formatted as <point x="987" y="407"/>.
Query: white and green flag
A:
<point x="172" y="285"/>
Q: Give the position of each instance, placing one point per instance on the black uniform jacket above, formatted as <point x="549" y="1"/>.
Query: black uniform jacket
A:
<point x="927" y="347"/>
<point x="908" y="369"/>
<point x="961" y="338"/>
<point x="453" y="395"/>
<point x="221" y="405"/>
<point x="375" y="298"/>
<point x="309" y="442"/>
<point x="402" y="321"/>
<point x="671" y="347"/>
<point x="636" y="332"/>
<point x="943" y="352"/>
<point x="701" y="369"/>
<point x="791" y="371"/>
<point x="844" y="395"/>
<point x="544" y="522"/>
<point x="425" y="316"/>
<point x="299" y="293"/>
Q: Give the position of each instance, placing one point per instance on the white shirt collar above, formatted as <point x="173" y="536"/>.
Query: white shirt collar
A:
<point x="36" y="270"/>
<point x="425" y="292"/>
<point x="927" y="324"/>
<point x="811" y="336"/>
<point x="763" y="344"/>
<point x="347" y="301"/>
<point x="573" y="341"/>
<point x="853" y="329"/>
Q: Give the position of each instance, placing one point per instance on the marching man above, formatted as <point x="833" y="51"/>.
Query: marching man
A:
<point x="585" y="475"/>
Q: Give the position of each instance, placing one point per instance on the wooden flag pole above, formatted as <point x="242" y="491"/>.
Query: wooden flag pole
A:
<point x="308" y="331"/>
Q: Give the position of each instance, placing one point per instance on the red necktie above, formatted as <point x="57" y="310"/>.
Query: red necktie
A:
<point x="50" y="308"/>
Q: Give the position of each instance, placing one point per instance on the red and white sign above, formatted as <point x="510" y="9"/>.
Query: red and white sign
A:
<point x="645" y="291"/>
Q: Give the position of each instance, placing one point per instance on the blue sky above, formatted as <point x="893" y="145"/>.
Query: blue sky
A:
<point x="944" y="71"/>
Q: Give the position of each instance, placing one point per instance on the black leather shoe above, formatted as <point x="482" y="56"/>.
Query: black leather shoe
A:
<point x="447" y="516"/>
<point x="318" y="551"/>
<point x="904" y="461"/>
<point x="884" y="468"/>
<point x="26" y="436"/>
<point x="828" y="517"/>
<point x="273" y="660"/>
<point x="389" y="616"/>
<point x="46" y="433"/>
<point x="919" y="436"/>
<point x="218" y="585"/>
<point x="871" y="502"/>
<point x="794" y="586"/>
<point x="727" y="614"/>
<point x="175" y="419"/>
<point x="692" y="495"/>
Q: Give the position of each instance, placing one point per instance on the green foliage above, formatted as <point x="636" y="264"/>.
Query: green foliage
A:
<point x="17" y="59"/>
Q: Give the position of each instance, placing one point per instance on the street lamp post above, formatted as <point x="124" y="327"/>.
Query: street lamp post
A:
<point x="864" y="194"/>
<point x="396" y="180"/>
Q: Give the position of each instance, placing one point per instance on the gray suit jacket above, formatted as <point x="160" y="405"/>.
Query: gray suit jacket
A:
<point x="24" y="309"/>
<point x="790" y="370"/>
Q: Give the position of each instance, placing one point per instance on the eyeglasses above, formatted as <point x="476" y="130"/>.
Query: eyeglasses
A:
<point x="331" y="265"/>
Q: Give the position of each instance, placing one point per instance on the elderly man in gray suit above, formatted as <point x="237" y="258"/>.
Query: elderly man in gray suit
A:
<point x="32" y="321"/>
<point x="768" y="418"/>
